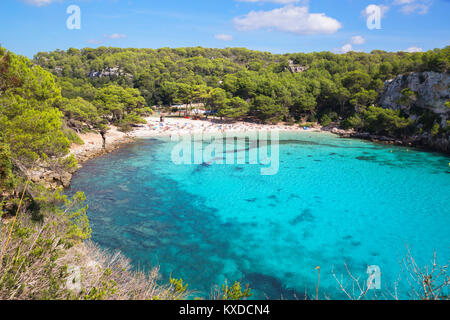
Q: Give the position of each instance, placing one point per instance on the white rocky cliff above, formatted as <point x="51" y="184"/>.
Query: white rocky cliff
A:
<point x="430" y="95"/>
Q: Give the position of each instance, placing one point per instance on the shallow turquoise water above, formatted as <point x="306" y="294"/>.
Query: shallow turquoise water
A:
<point x="333" y="202"/>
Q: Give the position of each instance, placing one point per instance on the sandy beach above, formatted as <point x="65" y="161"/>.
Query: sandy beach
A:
<point x="185" y="126"/>
<point x="93" y="143"/>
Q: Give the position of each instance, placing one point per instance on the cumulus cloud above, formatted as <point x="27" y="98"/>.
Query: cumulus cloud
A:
<point x="357" y="40"/>
<point x="40" y="3"/>
<point x="115" y="36"/>
<point x="345" y="48"/>
<point x="414" y="49"/>
<point x="406" y="7"/>
<point x="291" y="19"/>
<point x="413" y="6"/>
<point x="224" y="37"/>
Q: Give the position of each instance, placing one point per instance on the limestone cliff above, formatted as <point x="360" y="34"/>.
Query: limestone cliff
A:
<point x="429" y="92"/>
<point x="432" y="92"/>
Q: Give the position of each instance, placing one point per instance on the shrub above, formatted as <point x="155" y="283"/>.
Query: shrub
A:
<point x="29" y="267"/>
<point x="234" y="292"/>
<point x="6" y="175"/>
<point x="313" y="118"/>
<point x="127" y="122"/>
<point x="428" y="120"/>
<point x="69" y="162"/>
<point x="435" y="130"/>
<point x="80" y="110"/>
<point x="353" y="122"/>
<point x="325" y="120"/>
<point x="385" y="121"/>
<point x="72" y="136"/>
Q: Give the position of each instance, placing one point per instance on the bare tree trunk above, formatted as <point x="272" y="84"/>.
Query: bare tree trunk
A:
<point x="103" y="134"/>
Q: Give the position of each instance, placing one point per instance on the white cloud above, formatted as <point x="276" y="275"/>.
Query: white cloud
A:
<point x="357" y="40"/>
<point x="413" y="6"/>
<point x="40" y="3"/>
<point x="419" y="8"/>
<point x="372" y="8"/>
<point x="113" y="36"/>
<point x="292" y="19"/>
<point x="406" y="7"/>
<point x="93" y="41"/>
<point x="414" y="49"/>
<point x="224" y="37"/>
<point x="116" y="36"/>
<point x="345" y="48"/>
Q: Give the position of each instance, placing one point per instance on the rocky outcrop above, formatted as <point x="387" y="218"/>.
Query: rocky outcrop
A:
<point x="109" y="72"/>
<point x="423" y="141"/>
<point x="94" y="152"/>
<point x="50" y="178"/>
<point x="431" y="93"/>
<point x="295" y="68"/>
<point x="341" y="132"/>
<point x="52" y="175"/>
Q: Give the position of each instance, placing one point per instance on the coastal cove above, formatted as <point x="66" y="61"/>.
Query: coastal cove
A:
<point x="224" y="158"/>
<point x="334" y="201"/>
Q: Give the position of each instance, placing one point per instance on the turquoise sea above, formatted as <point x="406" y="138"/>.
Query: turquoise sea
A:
<point x="333" y="202"/>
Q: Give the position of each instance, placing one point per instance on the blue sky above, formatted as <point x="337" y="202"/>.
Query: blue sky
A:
<point x="278" y="26"/>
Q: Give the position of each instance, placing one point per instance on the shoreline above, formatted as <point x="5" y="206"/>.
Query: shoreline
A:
<point x="93" y="143"/>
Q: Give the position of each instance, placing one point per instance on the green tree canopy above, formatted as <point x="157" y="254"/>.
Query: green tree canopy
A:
<point x="114" y="102"/>
<point x="29" y="122"/>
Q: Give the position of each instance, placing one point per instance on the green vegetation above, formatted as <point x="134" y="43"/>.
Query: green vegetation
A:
<point x="235" y="292"/>
<point x="30" y="124"/>
<point x="238" y="83"/>
<point x="79" y="110"/>
<point x="32" y="248"/>
<point x="46" y="102"/>
<point x="385" y="121"/>
<point x="6" y="174"/>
